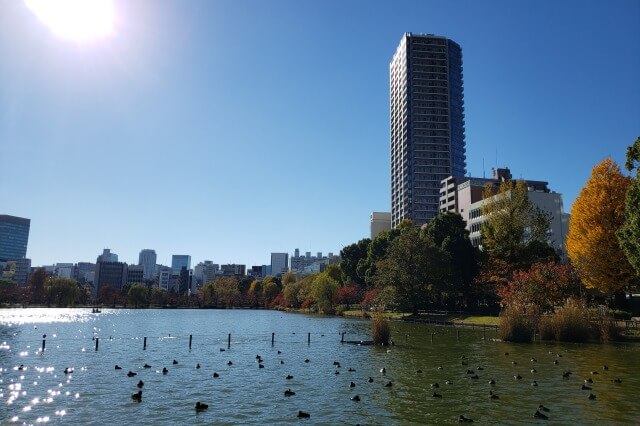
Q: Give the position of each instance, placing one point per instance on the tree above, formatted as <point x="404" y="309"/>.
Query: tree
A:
<point x="108" y="295"/>
<point x="255" y="292"/>
<point x="416" y="267"/>
<point x="36" y="285"/>
<point x="545" y="285"/>
<point x="512" y="221"/>
<point x="596" y="216"/>
<point x="324" y="290"/>
<point x="158" y="296"/>
<point x="334" y="271"/>
<point x="348" y="294"/>
<point x="207" y="294"/>
<point x="288" y="278"/>
<point x="61" y="291"/>
<point x="290" y="294"/>
<point x="629" y="232"/>
<point x="227" y="291"/>
<point x="9" y="292"/>
<point x="269" y="291"/>
<point x="138" y="295"/>
<point x="448" y="232"/>
<point x="350" y="256"/>
<point x="376" y="251"/>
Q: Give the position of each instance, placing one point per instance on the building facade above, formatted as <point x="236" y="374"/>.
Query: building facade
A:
<point x="14" y="237"/>
<point x="380" y="221"/>
<point x="179" y="261"/>
<point x="427" y="124"/>
<point x="279" y="263"/>
<point x="147" y="259"/>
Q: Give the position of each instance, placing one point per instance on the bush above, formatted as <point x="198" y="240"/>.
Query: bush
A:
<point x="571" y="322"/>
<point x="380" y="330"/>
<point x="545" y="328"/>
<point x="517" y="324"/>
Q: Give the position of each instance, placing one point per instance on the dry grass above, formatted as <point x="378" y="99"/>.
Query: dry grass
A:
<point x="517" y="324"/>
<point x="380" y="329"/>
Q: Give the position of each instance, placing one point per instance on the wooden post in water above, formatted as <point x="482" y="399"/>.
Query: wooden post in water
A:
<point x="342" y="340"/>
<point x="229" y="341"/>
<point x="273" y="338"/>
<point x="484" y="331"/>
<point x="190" y="340"/>
<point x="97" y="341"/>
<point x="44" y="343"/>
<point x="458" y="335"/>
<point x="308" y="338"/>
<point x="144" y="345"/>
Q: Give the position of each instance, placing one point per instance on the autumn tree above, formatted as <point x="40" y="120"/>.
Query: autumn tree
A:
<point x="288" y="278"/>
<point x="290" y="294"/>
<point x="348" y="295"/>
<point x="158" y="296"/>
<point x="596" y="216"/>
<point x="629" y="232"/>
<point x="227" y="291"/>
<point x="545" y="285"/>
<point x="324" y="290"/>
<point x="207" y="294"/>
<point x="9" y="292"/>
<point x="269" y="291"/>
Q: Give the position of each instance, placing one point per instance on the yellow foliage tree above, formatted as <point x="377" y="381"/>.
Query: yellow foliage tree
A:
<point x="596" y="215"/>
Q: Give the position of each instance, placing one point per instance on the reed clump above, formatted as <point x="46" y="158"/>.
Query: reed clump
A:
<point x="517" y="323"/>
<point x="380" y="329"/>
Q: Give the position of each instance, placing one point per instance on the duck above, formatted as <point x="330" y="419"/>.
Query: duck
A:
<point x="351" y="369"/>
<point x="419" y="371"/>
<point x="279" y="352"/>
<point x="463" y="356"/>
<point x="22" y="367"/>
<point x="164" y="370"/>
<point x="383" y="370"/>
<point x="118" y="367"/>
<point x="448" y="382"/>
<point x="594" y="373"/>
<point x="146" y="366"/>
<point x="197" y="365"/>
<point x="533" y="370"/>
<point x="303" y="415"/>
<point x="539" y="415"/>
<point x="68" y="370"/>
<point x="506" y="354"/>
<point x="222" y="349"/>
<point x="355" y="398"/>
<point x="534" y="383"/>
<point x="140" y="384"/>
<point x="463" y="419"/>
<point x="388" y="385"/>
<point x="589" y="380"/>
<point x="352" y="385"/>
<point x="281" y="362"/>
<point x="514" y="363"/>
<point x="131" y="374"/>
<point x="566" y="374"/>
<point x="289" y="392"/>
<point x="216" y="375"/>
<point x="471" y="372"/>
<point x="175" y="362"/>
<point x="336" y="363"/>
<point x="543" y="408"/>
<point x="370" y="380"/>
<point x="260" y="365"/>
<point x="605" y="367"/>
<point x="617" y="380"/>
<point x="435" y="385"/>
<point x="307" y="360"/>
<point x="201" y="406"/>
<point x="555" y="362"/>
<point x="436" y="395"/>
<point x="439" y="367"/>
<point x="480" y="368"/>
<point x="289" y="377"/>
<point x="517" y="377"/>
<point x="474" y="377"/>
<point x="592" y="396"/>
<point x="337" y="372"/>
<point x="585" y="387"/>
<point x="493" y="395"/>
<point x="137" y="396"/>
<point x="534" y="360"/>
<point x="230" y="363"/>
<point x="492" y="382"/>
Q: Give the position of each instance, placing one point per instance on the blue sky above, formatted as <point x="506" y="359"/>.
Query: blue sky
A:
<point x="230" y="129"/>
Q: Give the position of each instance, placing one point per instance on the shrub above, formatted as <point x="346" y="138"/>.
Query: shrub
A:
<point x="380" y="329"/>
<point x="545" y="328"/>
<point x="571" y="322"/>
<point x="609" y="330"/>
<point x="517" y="324"/>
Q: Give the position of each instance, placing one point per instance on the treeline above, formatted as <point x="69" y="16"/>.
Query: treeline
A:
<point x="43" y="290"/>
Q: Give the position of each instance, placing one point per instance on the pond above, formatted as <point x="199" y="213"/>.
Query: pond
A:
<point x="94" y="392"/>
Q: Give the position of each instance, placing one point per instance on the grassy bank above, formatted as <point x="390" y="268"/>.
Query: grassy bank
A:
<point x="456" y="319"/>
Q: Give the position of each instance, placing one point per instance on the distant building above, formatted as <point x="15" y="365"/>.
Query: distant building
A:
<point x="233" y="270"/>
<point x="465" y="197"/>
<point x="18" y="271"/>
<point x="279" y="263"/>
<point x="135" y="274"/>
<point x="179" y="261"/>
<point x="301" y="264"/>
<point x="107" y="256"/>
<point x="147" y="259"/>
<point x="85" y="272"/>
<point x="204" y="272"/>
<point x="257" y="272"/>
<point x="164" y="277"/>
<point x="113" y="274"/>
<point x="380" y="221"/>
<point x="14" y="237"/>
<point x="65" y="270"/>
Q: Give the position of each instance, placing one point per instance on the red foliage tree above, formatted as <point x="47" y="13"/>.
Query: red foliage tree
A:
<point x="370" y="299"/>
<point x="348" y="295"/>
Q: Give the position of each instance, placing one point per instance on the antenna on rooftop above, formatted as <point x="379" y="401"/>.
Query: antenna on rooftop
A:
<point x="483" y="176"/>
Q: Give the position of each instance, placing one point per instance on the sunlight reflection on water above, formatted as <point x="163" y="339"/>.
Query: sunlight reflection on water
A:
<point x="12" y="317"/>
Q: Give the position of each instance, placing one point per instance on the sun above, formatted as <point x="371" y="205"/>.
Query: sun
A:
<point x="76" y="20"/>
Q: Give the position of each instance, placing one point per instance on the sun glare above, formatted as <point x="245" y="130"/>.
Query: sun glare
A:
<point x="77" y="20"/>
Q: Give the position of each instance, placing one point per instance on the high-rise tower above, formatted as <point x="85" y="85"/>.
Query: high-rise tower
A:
<point x="427" y="124"/>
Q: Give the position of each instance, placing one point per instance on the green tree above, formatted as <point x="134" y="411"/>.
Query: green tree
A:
<point x="138" y="295"/>
<point x="513" y="222"/>
<point x="207" y="294"/>
<point x="416" y="267"/>
<point x="269" y="291"/>
<point x="62" y="292"/>
<point x="350" y="256"/>
<point x="36" y="285"/>
<point x="304" y="293"/>
<point x="324" y="290"/>
<point x="376" y="251"/>
<point x="158" y="296"/>
<point x="255" y="292"/>
<point x="448" y="232"/>
<point x="9" y="292"/>
<point x="290" y="294"/>
<point x="227" y="291"/>
<point x="629" y="232"/>
<point x="334" y="271"/>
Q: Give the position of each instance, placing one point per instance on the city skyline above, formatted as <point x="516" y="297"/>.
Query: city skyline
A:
<point x="175" y="140"/>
